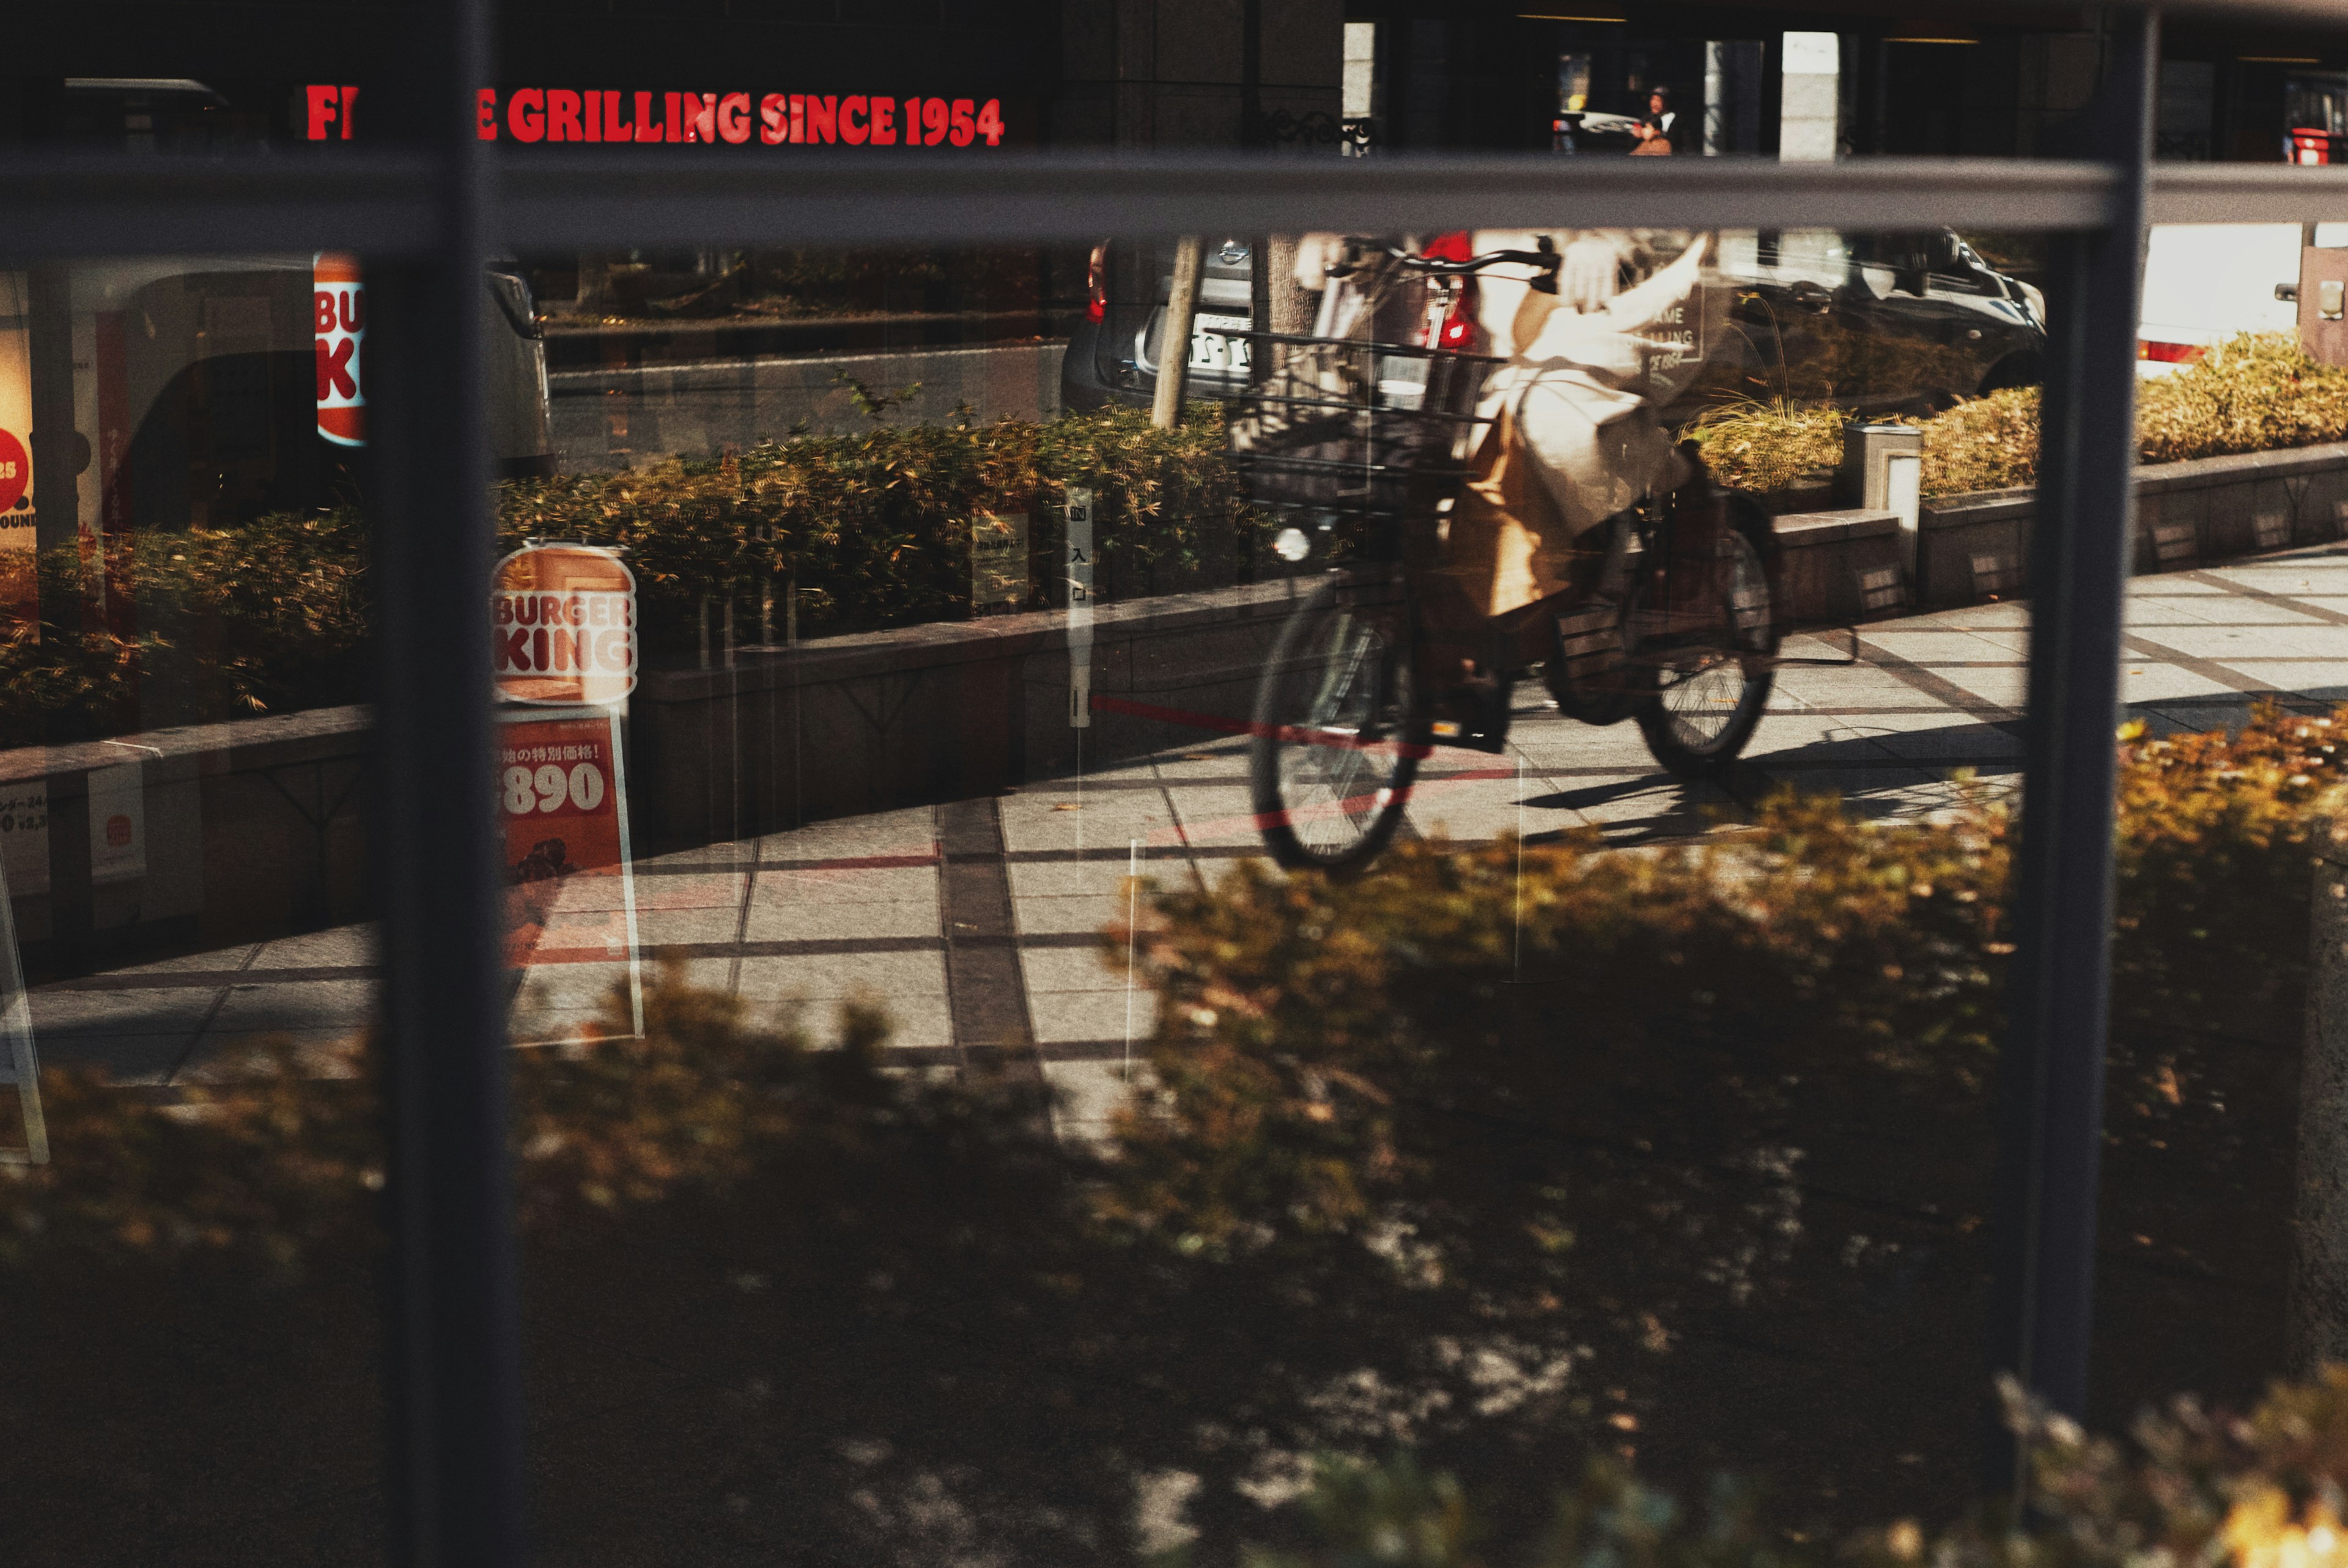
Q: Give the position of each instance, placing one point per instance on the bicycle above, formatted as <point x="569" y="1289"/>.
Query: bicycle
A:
<point x="1361" y="445"/>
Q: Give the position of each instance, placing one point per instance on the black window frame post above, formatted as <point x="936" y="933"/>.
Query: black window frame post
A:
<point x="2058" y="991"/>
<point x="452" y="1363"/>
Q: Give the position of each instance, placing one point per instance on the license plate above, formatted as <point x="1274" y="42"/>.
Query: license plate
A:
<point x="1216" y="344"/>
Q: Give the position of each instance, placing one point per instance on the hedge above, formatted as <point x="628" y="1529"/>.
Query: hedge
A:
<point x="1395" y="1184"/>
<point x="2265" y="1489"/>
<point x="2257" y="393"/>
<point x="1321" y="1037"/>
<point x="874" y="530"/>
<point x="1304" y="1018"/>
<point x="870" y="530"/>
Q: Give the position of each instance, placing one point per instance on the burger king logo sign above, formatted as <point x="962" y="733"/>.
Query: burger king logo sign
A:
<point x="563" y="624"/>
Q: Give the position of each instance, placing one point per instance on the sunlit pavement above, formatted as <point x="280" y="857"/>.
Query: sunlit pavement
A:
<point x="977" y="925"/>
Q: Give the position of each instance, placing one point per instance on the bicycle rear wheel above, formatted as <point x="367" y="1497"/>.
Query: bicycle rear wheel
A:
<point x="1340" y="727"/>
<point x="1711" y="684"/>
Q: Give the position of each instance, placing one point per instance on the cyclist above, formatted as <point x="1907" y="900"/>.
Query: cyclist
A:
<point x="1574" y="438"/>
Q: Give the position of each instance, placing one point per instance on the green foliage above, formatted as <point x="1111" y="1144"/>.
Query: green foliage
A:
<point x="1320" y="1038"/>
<point x="874" y="530"/>
<point x="225" y="623"/>
<point x="273" y="1160"/>
<point x="2259" y="392"/>
<point x="2189" y="1486"/>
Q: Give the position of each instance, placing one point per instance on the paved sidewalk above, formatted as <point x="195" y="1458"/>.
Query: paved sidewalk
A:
<point x="976" y="924"/>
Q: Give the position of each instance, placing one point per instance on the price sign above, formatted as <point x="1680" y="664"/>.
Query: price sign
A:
<point x="571" y="896"/>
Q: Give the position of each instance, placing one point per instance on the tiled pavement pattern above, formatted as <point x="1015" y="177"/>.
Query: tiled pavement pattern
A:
<point x="976" y="923"/>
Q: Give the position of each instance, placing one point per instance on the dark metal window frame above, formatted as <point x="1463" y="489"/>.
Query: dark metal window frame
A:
<point x="425" y="220"/>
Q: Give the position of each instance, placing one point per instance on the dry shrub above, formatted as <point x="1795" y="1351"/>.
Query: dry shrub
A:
<point x="2257" y="393"/>
<point x="1767" y="446"/>
<point x="1984" y="443"/>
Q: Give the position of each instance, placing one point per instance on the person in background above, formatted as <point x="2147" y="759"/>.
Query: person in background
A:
<point x="1654" y="133"/>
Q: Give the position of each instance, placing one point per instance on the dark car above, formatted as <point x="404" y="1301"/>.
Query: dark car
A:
<point x="1876" y="322"/>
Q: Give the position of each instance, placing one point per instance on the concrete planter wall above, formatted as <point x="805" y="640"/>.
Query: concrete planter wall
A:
<point x="857" y="724"/>
<point x="1977" y="546"/>
<point x="1839" y="566"/>
<point x="250" y="829"/>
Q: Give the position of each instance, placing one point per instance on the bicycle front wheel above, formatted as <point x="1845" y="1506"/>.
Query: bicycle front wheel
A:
<point x="1711" y="685"/>
<point x="1339" y="728"/>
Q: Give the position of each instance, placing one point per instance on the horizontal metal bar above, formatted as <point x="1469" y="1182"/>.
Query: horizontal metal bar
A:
<point x="78" y="205"/>
<point x="1064" y="196"/>
<point x="380" y="203"/>
<point x="2246" y="194"/>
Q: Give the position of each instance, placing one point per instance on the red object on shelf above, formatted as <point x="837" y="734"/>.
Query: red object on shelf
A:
<point x="2308" y="145"/>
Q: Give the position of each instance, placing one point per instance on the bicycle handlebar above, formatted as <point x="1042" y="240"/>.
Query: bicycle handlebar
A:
<point x="1547" y="261"/>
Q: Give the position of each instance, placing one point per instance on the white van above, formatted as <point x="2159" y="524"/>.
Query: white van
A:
<point x="2206" y="282"/>
<point x="199" y="385"/>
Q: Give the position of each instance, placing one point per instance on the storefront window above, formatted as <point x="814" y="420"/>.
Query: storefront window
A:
<point x="1152" y="888"/>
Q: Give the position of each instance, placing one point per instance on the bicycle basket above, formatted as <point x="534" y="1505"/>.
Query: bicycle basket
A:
<point x="1344" y="428"/>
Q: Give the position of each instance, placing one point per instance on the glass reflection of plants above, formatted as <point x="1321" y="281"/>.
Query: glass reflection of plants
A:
<point x="1514" y="1169"/>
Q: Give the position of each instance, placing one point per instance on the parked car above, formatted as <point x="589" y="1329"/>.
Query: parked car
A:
<point x="1879" y="324"/>
<point x="1876" y="323"/>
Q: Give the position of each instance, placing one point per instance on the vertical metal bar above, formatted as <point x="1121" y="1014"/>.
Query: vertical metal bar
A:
<point x="58" y="454"/>
<point x="2052" y="1074"/>
<point x="453" y="1360"/>
<point x="57" y="486"/>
